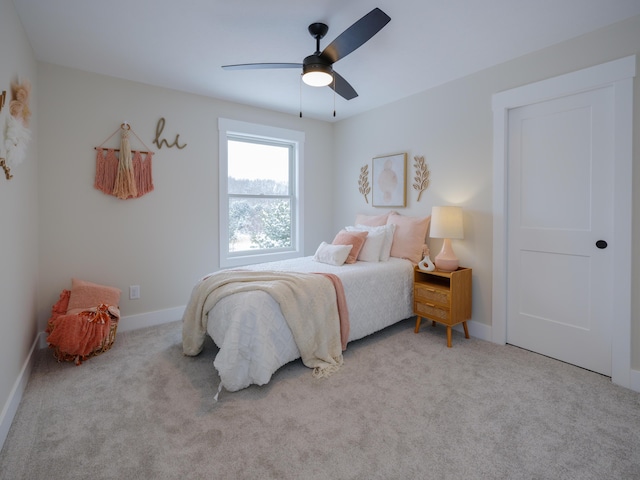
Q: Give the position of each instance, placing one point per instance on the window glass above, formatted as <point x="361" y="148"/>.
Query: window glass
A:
<point x="256" y="168"/>
<point x="260" y="197"/>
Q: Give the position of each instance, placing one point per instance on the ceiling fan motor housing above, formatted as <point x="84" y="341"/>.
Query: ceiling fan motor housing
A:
<point x="317" y="71"/>
<point x="316" y="63"/>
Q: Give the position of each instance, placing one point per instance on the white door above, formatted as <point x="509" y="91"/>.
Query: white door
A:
<point x="560" y="225"/>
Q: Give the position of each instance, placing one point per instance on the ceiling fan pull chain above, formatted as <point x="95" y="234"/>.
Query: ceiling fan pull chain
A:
<point x="300" y="96"/>
<point x="334" y="97"/>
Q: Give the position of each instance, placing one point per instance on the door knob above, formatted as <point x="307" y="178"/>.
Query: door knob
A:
<point x="601" y="244"/>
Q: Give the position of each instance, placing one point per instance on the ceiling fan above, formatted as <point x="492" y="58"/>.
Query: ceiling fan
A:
<point x="317" y="69"/>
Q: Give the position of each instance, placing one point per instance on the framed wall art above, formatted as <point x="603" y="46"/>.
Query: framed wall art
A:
<point x="389" y="174"/>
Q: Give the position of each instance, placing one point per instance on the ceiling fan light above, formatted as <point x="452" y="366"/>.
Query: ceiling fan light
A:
<point x="317" y="75"/>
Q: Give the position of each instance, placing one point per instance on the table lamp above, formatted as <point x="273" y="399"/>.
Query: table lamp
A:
<point x="446" y="223"/>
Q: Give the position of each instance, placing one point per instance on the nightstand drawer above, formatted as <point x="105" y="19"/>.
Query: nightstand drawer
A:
<point x="431" y="311"/>
<point x="430" y="293"/>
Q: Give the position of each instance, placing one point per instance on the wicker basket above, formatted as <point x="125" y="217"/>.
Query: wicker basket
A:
<point x="106" y="344"/>
<point x="100" y="316"/>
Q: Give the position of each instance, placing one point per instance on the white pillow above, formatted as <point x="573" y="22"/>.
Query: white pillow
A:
<point x="389" y="229"/>
<point x="372" y="248"/>
<point x="332" y="254"/>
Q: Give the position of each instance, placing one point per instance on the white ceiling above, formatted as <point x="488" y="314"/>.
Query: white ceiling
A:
<point x="181" y="44"/>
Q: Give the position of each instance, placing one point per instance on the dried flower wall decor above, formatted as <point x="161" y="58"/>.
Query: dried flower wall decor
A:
<point x="422" y="175"/>
<point x="3" y="161"/>
<point x="17" y="132"/>
<point x="363" y="182"/>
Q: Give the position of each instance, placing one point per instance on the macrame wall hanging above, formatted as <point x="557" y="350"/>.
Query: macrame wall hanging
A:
<point x="122" y="172"/>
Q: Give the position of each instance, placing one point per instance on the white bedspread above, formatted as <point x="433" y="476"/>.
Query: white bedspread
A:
<point x="308" y="303"/>
<point x="254" y="338"/>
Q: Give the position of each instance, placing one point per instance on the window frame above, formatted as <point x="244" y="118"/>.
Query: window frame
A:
<point x="235" y="130"/>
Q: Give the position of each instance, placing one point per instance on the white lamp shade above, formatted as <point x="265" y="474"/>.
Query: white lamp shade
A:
<point x="446" y="222"/>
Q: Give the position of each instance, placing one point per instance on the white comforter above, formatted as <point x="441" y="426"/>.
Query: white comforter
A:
<point x="254" y="338"/>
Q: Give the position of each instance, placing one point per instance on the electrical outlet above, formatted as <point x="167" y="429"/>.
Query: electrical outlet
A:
<point x="134" y="292"/>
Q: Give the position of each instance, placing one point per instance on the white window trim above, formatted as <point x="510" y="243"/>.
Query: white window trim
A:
<point x="235" y="127"/>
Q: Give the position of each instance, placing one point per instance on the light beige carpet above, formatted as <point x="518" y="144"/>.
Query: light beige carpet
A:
<point x="403" y="407"/>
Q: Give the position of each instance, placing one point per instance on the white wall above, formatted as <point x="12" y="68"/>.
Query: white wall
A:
<point x="167" y="239"/>
<point x="452" y="127"/>
<point x="18" y="225"/>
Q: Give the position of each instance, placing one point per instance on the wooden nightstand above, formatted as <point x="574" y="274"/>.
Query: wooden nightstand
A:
<point x="443" y="297"/>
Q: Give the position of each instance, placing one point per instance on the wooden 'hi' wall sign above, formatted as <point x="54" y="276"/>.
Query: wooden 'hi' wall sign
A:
<point x="162" y="141"/>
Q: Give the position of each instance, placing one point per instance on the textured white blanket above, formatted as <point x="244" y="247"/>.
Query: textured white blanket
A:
<point x="308" y="303"/>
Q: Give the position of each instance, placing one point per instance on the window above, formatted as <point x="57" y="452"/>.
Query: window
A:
<point x="260" y="194"/>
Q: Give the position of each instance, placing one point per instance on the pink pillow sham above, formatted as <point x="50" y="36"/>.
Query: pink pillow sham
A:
<point x="410" y="236"/>
<point x="372" y="220"/>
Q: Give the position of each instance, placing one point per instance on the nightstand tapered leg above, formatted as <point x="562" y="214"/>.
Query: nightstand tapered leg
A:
<point x="418" y="320"/>
<point x="466" y="330"/>
<point x="448" y="336"/>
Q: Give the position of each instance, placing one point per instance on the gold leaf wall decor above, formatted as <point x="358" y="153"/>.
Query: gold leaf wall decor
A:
<point x="363" y="182"/>
<point x="422" y="175"/>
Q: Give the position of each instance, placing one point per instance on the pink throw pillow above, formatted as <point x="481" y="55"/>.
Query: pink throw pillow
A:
<point x="356" y="239"/>
<point x="371" y="220"/>
<point x="86" y="295"/>
<point x="409" y="237"/>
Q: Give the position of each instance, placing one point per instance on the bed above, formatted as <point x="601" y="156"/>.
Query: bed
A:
<point x="249" y="328"/>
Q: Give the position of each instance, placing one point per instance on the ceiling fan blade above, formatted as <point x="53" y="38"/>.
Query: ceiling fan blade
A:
<point x="258" y="66"/>
<point x="356" y="35"/>
<point x="342" y="87"/>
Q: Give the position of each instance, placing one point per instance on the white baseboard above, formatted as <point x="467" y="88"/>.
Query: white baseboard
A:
<point x="477" y="330"/>
<point x="15" y="397"/>
<point x="634" y="380"/>
<point x="150" y="319"/>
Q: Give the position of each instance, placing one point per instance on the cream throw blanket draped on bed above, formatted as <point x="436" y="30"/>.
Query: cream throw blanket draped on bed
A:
<point x="308" y="303"/>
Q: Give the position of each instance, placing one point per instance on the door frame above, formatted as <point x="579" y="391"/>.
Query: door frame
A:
<point x="617" y="74"/>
